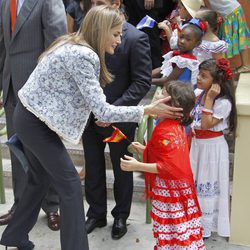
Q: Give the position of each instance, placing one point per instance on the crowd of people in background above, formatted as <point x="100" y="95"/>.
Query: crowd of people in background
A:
<point x="72" y="69"/>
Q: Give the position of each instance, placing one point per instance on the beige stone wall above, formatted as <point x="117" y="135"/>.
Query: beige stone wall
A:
<point x="240" y="211"/>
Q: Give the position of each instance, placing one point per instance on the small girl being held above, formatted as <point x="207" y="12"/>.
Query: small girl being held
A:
<point x="181" y="64"/>
<point x="211" y="46"/>
<point x="214" y="113"/>
<point x="175" y="209"/>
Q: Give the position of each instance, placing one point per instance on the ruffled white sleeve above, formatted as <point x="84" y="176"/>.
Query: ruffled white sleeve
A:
<point x="221" y="110"/>
<point x="181" y="62"/>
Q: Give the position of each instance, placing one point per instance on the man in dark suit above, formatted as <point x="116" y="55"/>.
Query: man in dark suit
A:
<point x="27" y="27"/>
<point x="136" y="10"/>
<point x="131" y="66"/>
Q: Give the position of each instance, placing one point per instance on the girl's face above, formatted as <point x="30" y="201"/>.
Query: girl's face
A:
<point x="187" y="41"/>
<point x="204" y="80"/>
<point x="163" y="94"/>
<point x="184" y="14"/>
<point x="113" y="39"/>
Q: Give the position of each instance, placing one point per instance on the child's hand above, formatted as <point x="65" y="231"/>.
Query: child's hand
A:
<point x="138" y="147"/>
<point x="129" y="163"/>
<point x="164" y="25"/>
<point x="214" y="91"/>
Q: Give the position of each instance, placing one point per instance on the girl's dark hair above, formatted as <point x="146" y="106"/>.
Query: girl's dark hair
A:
<point x="195" y="29"/>
<point x="182" y="95"/>
<point x="209" y="16"/>
<point x="227" y="88"/>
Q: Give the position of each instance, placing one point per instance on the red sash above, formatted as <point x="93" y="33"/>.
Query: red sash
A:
<point x="206" y="134"/>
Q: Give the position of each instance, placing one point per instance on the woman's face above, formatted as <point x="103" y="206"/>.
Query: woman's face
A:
<point x="204" y="79"/>
<point x="113" y="39"/>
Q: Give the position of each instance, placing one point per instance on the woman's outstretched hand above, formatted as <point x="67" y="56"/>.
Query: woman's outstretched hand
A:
<point x="159" y="109"/>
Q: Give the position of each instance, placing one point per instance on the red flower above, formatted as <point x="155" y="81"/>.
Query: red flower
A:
<point x="224" y="65"/>
<point x="203" y="26"/>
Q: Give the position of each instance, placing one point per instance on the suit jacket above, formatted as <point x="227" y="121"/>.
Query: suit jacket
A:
<point x="38" y="24"/>
<point x="157" y="4"/>
<point x="131" y="65"/>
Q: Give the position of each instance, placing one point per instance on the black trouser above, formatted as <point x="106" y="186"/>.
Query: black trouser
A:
<point x="49" y="163"/>
<point x="19" y="178"/>
<point x="95" y="179"/>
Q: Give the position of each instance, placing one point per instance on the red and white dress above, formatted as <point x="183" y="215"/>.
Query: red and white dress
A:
<point x="175" y="209"/>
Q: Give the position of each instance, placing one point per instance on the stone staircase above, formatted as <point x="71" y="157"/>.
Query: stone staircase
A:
<point x="77" y="156"/>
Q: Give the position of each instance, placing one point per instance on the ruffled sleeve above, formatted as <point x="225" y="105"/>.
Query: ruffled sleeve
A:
<point x="181" y="62"/>
<point x="222" y="109"/>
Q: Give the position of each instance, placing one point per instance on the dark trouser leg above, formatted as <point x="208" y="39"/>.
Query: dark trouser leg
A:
<point x="50" y="152"/>
<point x="50" y="202"/>
<point x="95" y="179"/>
<point x="19" y="177"/>
<point x="123" y="183"/>
<point x="27" y="210"/>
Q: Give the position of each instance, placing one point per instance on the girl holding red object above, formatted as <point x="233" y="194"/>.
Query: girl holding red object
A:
<point x="214" y="114"/>
<point x="175" y="208"/>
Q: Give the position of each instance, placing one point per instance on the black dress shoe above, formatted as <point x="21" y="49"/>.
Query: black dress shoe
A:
<point x="92" y="223"/>
<point x="28" y="246"/>
<point x="6" y="218"/>
<point x="119" y="228"/>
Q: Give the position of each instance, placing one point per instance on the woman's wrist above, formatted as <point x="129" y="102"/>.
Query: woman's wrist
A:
<point x="148" y="110"/>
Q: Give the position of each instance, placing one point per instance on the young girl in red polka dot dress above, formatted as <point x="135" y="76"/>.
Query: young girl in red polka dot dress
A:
<point x="175" y="209"/>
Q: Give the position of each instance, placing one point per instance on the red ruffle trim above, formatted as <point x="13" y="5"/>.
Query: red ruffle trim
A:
<point x="176" y="221"/>
<point x="176" y="211"/>
<point x="192" y="238"/>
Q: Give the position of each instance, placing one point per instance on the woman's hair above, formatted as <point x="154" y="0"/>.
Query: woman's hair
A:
<point x="182" y="95"/>
<point x="226" y="84"/>
<point x="93" y="32"/>
<point x="209" y="16"/>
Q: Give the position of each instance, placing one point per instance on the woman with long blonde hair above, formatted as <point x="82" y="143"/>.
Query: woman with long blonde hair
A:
<point x="55" y="102"/>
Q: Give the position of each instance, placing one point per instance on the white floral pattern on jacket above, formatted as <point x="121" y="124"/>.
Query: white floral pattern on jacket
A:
<point x="64" y="89"/>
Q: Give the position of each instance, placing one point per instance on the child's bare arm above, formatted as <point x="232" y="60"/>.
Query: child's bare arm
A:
<point x="131" y="164"/>
<point x="207" y="119"/>
<point x="156" y="73"/>
<point x="174" y="75"/>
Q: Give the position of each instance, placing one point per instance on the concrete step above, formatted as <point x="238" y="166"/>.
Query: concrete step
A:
<point x="139" y="186"/>
<point x="75" y="152"/>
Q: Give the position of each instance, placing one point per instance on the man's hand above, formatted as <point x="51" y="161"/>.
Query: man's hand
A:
<point x="102" y="124"/>
<point x="149" y="4"/>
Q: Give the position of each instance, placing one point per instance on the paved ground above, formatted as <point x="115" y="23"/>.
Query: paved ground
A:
<point x="139" y="235"/>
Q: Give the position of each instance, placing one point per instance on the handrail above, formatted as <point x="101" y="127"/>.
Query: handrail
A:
<point x="146" y="125"/>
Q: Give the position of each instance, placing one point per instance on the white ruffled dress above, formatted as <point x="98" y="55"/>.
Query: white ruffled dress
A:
<point x="181" y="61"/>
